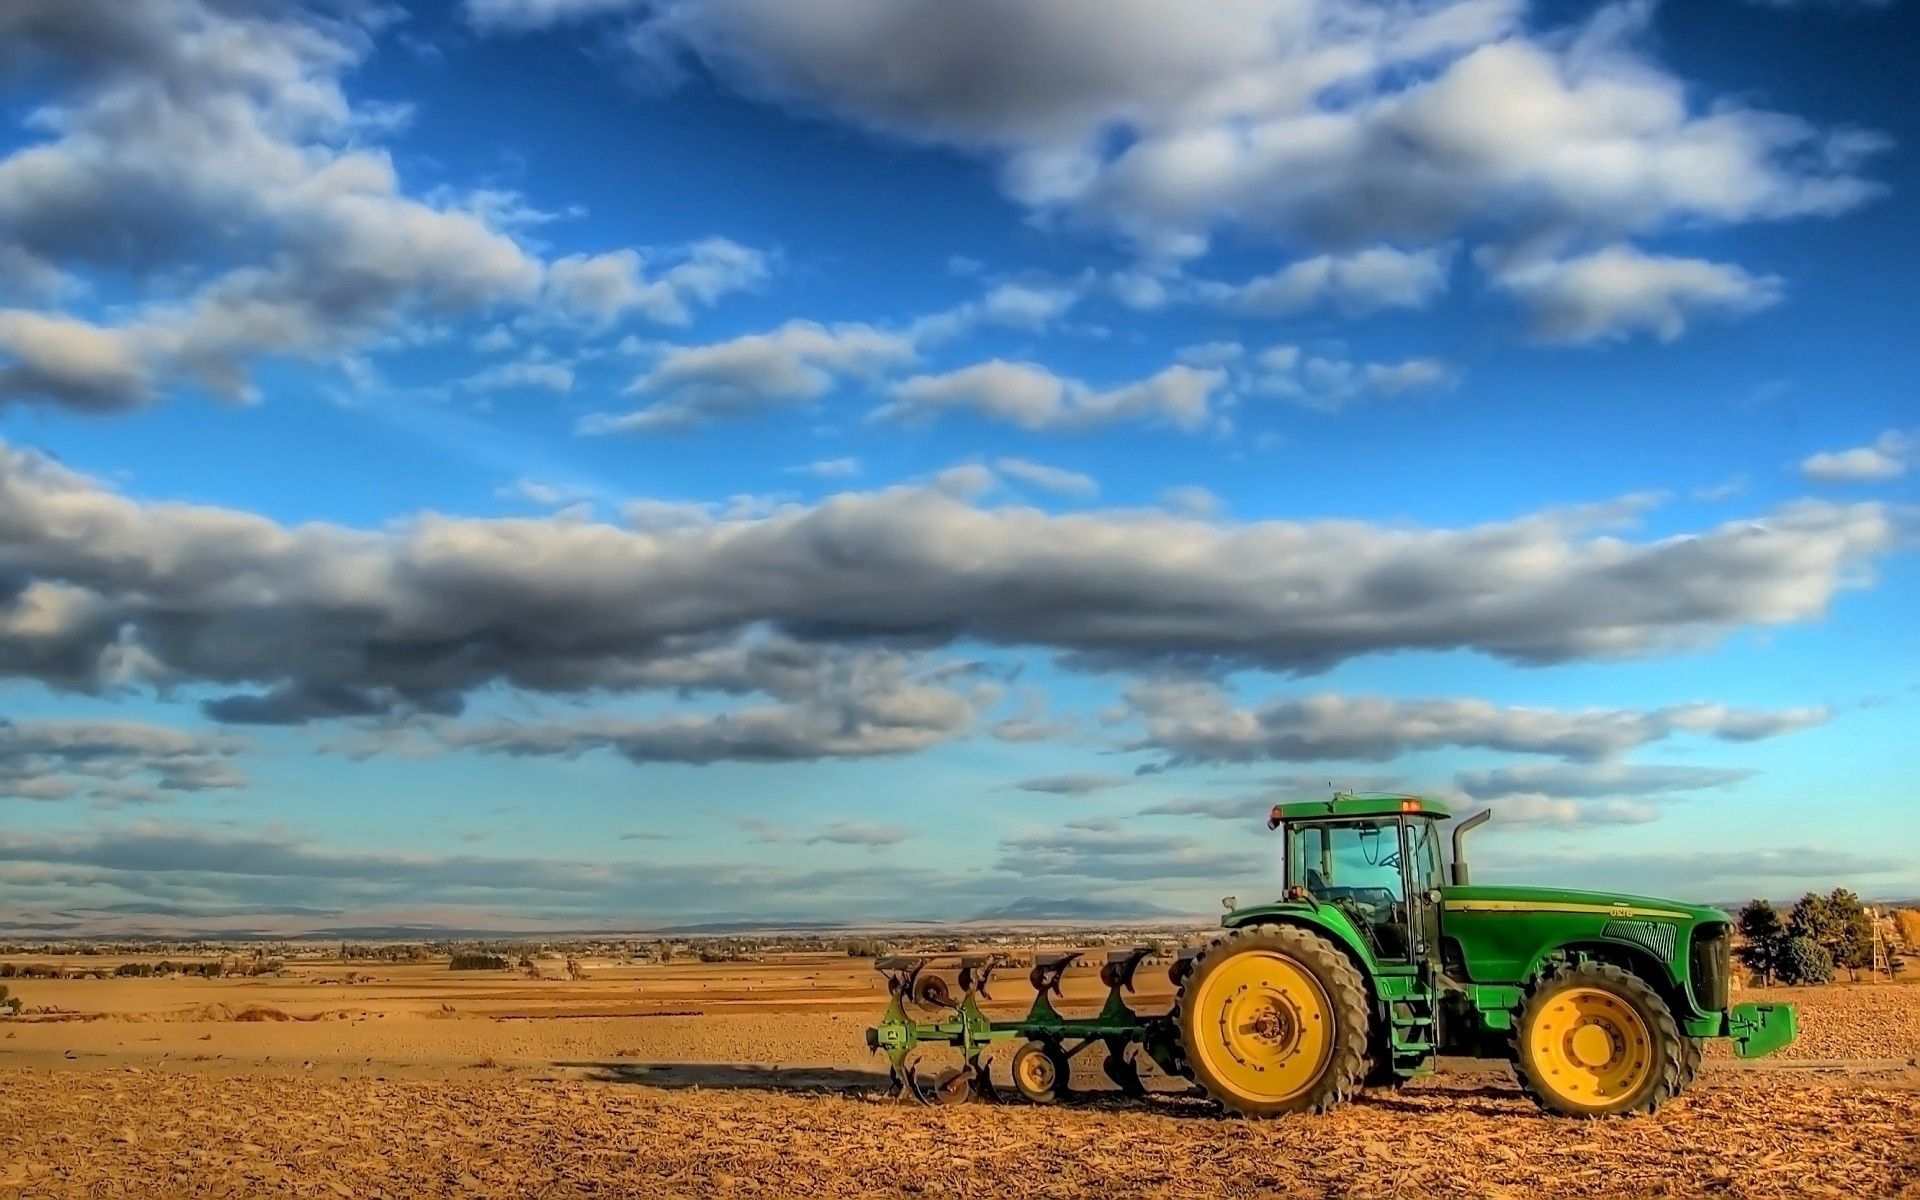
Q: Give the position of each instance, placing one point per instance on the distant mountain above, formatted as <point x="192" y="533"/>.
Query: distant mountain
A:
<point x="755" y="925"/>
<point x="1040" y="908"/>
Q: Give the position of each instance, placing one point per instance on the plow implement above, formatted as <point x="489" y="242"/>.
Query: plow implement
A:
<point x="934" y="1000"/>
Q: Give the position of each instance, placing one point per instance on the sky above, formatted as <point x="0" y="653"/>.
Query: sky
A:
<point x="531" y="464"/>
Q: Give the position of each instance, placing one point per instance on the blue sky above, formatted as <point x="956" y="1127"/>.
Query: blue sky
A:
<point x="587" y="462"/>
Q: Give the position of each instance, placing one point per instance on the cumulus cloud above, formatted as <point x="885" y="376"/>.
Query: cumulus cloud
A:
<point x="1336" y="122"/>
<point x="99" y="591"/>
<point x="113" y="762"/>
<point x="1032" y="397"/>
<point x="1195" y="722"/>
<point x="1329" y="384"/>
<point x="796" y="363"/>
<point x="603" y="288"/>
<point x="210" y="151"/>
<point x="1888" y="457"/>
<point x="531" y="374"/>
<point x="1619" y="291"/>
<point x="1354" y="284"/>
<point x="1025" y="306"/>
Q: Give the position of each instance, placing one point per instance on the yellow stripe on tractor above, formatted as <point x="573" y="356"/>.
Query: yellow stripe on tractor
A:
<point x="1524" y="906"/>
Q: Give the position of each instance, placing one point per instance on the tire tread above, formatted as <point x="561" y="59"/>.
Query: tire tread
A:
<point x="1679" y="1056"/>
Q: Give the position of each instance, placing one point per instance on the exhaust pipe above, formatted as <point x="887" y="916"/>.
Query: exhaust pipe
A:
<point x="1460" y="876"/>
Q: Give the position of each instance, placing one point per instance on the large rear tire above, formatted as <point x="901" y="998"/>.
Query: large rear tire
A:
<point x="1594" y="1040"/>
<point x="1273" y="1020"/>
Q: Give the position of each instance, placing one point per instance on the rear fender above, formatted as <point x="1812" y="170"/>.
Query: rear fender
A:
<point x="1323" y="919"/>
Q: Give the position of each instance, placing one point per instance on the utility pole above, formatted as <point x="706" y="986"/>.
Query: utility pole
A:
<point x="1881" y="964"/>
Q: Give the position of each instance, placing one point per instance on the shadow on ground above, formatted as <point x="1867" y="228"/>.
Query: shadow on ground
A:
<point x="732" y="1075"/>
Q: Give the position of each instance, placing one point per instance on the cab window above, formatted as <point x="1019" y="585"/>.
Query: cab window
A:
<point x="1351" y="860"/>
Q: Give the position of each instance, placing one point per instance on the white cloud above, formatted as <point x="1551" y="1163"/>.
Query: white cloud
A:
<point x="537" y="14"/>
<point x="1057" y="480"/>
<point x="542" y="494"/>
<point x="602" y="288"/>
<point x="1887" y="458"/>
<point x="1192" y="500"/>
<point x="526" y="374"/>
<point x="1586" y="780"/>
<point x="1619" y="291"/>
<point x="1032" y="397"/>
<point x="830" y="468"/>
<point x="1330" y="384"/>
<point x="1196" y="723"/>
<point x="1212" y="354"/>
<point x="212" y="151"/>
<point x="1025" y="306"/>
<point x="796" y="363"/>
<point x="1355" y="284"/>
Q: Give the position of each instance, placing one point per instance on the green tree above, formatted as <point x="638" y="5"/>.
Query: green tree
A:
<point x="1850" y="927"/>
<point x="1811" y="918"/>
<point x="1803" y="960"/>
<point x="1761" y="936"/>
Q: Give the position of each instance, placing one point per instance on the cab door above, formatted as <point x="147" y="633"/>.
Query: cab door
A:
<point x="1420" y="841"/>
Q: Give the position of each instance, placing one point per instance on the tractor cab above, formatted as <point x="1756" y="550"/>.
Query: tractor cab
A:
<point x="1376" y="858"/>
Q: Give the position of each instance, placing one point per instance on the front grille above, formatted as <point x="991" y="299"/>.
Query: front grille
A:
<point x="1648" y="935"/>
<point x="1712" y="961"/>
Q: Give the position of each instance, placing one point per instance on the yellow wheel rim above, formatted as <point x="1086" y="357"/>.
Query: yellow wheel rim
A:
<point x="1591" y="1048"/>
<point x="1036" y="1072"/>
<point x="1263" y="1026"/>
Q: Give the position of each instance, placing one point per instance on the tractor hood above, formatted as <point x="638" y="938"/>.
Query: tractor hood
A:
<point x="1497" y="898"/>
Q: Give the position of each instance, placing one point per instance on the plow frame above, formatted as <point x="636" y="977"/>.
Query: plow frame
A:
<point x="968" y="1029"/>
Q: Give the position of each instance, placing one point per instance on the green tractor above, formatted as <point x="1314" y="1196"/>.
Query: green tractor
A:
<point x="1375" y="960"/>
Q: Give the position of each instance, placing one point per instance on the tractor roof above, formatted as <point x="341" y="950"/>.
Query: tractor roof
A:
<point x="1361" y="804"/>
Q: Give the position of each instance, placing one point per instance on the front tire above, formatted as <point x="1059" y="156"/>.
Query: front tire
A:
<point x="1594" y="1040"/>
<point x="1274" y="1019"/>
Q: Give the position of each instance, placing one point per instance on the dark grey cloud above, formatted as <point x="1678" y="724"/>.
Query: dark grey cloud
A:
<point x="1334" y="124"/>
<point x="113" y="762"/>
<point x="146" y="864"/>
<point x="1196" y="722"/>
<point x="870" y="709"/>
<point x="1079" y="784"/>
<point x="1232" y="808"/>
<point x="99" y="591"/>
<point x="871" y="836"/>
